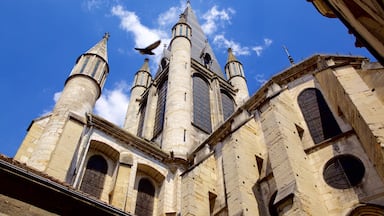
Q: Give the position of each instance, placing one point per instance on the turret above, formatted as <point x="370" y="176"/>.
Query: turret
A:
<point x="141" y="82"/>
<point x="235" y="75"/>
<point x="82" y="89"/>
<point x="178" y="107"/>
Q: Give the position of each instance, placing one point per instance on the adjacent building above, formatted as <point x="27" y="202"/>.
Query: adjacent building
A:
<point x="363" y="18"/>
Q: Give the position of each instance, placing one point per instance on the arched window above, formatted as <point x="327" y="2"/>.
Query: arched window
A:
<point x="201" y="104"/>
<point x="160" y="109"/>
<point x="227" y="104"/>
<point x="319" y="118"/>
<point x="145" y="198"/>
<point x="94" y="176"/>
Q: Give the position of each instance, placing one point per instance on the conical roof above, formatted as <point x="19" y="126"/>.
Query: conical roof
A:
<point x="145" y="66"/>
<point x="200" y="42"/>
<point x="231" y="56"/>
<point x="100" y="48"/>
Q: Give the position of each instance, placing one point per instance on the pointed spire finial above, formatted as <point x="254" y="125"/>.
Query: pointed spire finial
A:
<point x="289" y="55"/>
<point x="231" y="56"/>
<point x="145" y="66"/>
<point x="106" y="35"/>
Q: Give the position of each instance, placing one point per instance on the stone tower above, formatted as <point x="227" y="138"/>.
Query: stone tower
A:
<point x="141" y="82"/>
<point x="235" y="73"/>
<point x="178" y="107"/>
<point x="82" y="89"/>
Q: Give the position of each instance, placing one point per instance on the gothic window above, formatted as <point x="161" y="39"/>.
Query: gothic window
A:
<point x="319" y="118"/>
<point x="94" y="176"/>
<point x="201" y="104"/>
<point x="228" y="106"/>
<point x="344" y="171"/>
<point x="141" y="120"/>
<point x="145" y="198"/>
<point x="160" y="109"/>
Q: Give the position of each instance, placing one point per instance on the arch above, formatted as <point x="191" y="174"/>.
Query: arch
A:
<point x="201" y="104"/>
<point x="106" y="149"/>
<point x="152" y="172"/>
<point x="227" y="104"/>
<point x="319" y="118"/>
<point x="145" y="198"/>
<point x="160" y="108"/>
<point x="94" y="176"/>
<point x="367" y="209"/>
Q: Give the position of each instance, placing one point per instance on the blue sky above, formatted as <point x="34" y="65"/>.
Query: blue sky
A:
<point x="42" y="39"/>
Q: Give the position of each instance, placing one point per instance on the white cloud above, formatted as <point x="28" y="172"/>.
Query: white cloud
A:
<point x="56" y="96"/>
<point x="91" y="5"/>
<point x="237" y="49"/>
<point x="112" y="104"/>
<point x="260" y="79"/>
<point x="267" y="42"/>
<point x="144" y="35"/>
<point x="170" y="17"/>
<point x="259" y="49"/>
<point x="130" y="22"/>
<point x="214" y="17"/>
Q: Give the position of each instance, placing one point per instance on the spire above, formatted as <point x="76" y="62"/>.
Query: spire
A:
<point x="143" y="76"/>
<point x="182" y="18"/>
<point x="231" y="56"/>
<point x="289" y="56"/>
<point x="145" y="66"/>
<point x="100" y="48"/>
<point x="198" y="41"/>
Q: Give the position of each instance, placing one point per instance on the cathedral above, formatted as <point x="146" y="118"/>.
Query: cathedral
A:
<point x="194" y="142"/>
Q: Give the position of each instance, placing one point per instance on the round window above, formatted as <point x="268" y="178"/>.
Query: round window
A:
<point x="344" y="171"/>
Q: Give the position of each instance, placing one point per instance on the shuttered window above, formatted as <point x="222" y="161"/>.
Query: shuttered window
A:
<point x="319" y="118"/>
<point x="201" y="104"/>
<point x="160" y="109"/>
<point x="145" y="198"/>
<point x="227" y="104"/>
<point x="94" y="176"/>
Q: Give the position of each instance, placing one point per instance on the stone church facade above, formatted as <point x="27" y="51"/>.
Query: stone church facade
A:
<point x="194" y="142"/>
